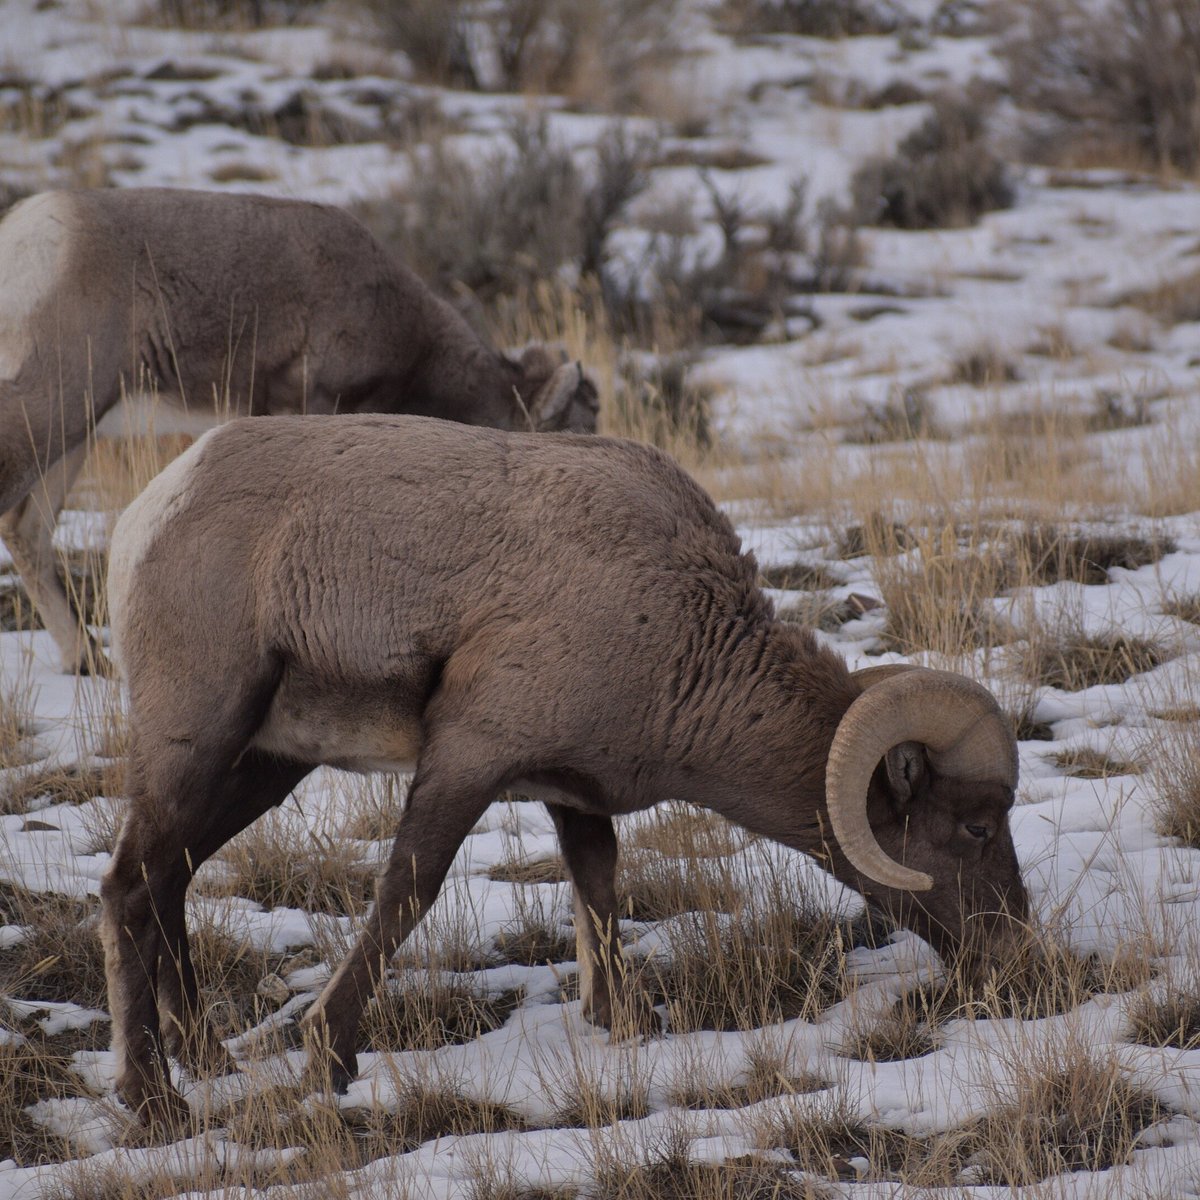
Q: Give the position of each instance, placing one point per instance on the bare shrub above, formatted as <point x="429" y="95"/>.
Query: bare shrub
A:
<point x="605" y="56"/>
<point x="524" y="214"/>
<point x="907" y="414"/>
<point x="1119" y="81"/>
<point x="733" y="292"/>
<point x="233" y="14"/>
<point x="983" y="365"/>
<point x="943" y="174"/>
<point x="815" y="18"/>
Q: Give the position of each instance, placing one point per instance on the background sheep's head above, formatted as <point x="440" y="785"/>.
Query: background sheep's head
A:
<point x="556" y="395"/>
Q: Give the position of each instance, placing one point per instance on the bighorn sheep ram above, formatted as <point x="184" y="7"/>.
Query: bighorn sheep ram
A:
<point x="246" y="304"/>
<point x="568" y="616"/>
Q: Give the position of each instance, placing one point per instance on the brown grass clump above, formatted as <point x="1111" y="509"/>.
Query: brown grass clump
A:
<point x="875" y="535"/>
<point x="36" y="1067"/>
<point x="63" y="785"/>
<point x="826" y="1137"/>
<point x="1070" y="1113"/>
<point x="1046" y="554"/>
<point x="797" y="577"/>
<point x="983" y="366"/>
<point x="1175" y="797"/>
<point x="902" y="1034"/>
<point x="422" y="1010"/>
<point x="942" y="603"/>
<point x="1069" y="659"/>
<point x="674" y="1177"/>
<point x="1045" y="978"/>
<point x="61" y="958"/>
<point x="280" y="867"/>
<point x="1169" y="1020"/>
<point x="1173" y="302"/>
<point x="1083" y="762"/>
<point x="529" y="871"/>
<point x="1184" y="606"/>
<point x="752" y="969"/>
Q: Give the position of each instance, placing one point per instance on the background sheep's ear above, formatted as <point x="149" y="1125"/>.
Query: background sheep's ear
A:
<point x="553" y="399"/>
<point x="906" y="770"/>
<point x="537" y="364"/>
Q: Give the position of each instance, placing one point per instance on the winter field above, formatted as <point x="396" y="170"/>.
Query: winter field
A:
<point x="913" y="288"/>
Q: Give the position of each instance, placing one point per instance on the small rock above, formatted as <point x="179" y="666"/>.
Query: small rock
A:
<point x="273" y="988"/>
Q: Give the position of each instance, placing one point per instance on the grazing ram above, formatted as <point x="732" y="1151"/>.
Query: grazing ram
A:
<point x="243" y="304"/>
<point x="568" y="616"/>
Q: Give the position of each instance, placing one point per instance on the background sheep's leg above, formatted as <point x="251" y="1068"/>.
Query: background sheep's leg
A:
<point x="140" y="872"/>
<point x="258" y="783"/>
<point x="439" y="815"/>
<point x="589" y="849"/>
<point x="28" y="532"/>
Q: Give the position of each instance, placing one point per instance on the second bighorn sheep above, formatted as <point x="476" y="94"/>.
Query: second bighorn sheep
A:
<point x="568" y="616"/>
<point x="243" y="304"/>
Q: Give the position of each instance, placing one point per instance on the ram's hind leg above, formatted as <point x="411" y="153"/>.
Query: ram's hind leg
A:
<point x="589" y="848"/>
<point x="189" y="733"/>
<point x="259" y="782"/>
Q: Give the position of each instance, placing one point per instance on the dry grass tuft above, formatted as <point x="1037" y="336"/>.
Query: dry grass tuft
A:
<point x="826" y="1138"/>
<point x="1069" y="659"/>
<point x="875" y="535"/>
<point x="1070" y="1113"/>
<point x="60" y="958"/>
<point x="1169" y="1020"/>
<point x="675" y="1177"/>
<point x="942" y="602"/>
<point x="425" y="1009"/>
<point x="983" y="366"/>
<point x="798" y="577"/>
<point x="35" y="1067"/>
<point x="1047" y="554"/>
<point x="754" y="968"/>
<point x="529" y="871"/>
<point x="278" y="865"/>
<point x="902" y="1034"/>
<point x="1175" y="797"/>
<point x="1045" y="978"/>
<point x="1083" y="762"/>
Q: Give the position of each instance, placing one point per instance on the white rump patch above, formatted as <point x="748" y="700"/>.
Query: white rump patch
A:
<point x="139" y="525"/>
<point x="35" y="240"/>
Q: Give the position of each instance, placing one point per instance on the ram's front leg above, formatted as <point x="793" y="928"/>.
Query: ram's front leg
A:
<point x="610" y="999"/>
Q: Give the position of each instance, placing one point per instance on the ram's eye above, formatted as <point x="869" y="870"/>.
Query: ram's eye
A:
<point x="977" y="831"/>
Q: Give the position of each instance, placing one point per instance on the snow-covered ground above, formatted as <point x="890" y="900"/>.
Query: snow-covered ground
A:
<point x="1058" y="265"/>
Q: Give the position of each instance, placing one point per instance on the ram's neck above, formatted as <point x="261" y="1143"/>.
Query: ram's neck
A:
<point x="763" y="733"/>
<point x="458" y="376"/>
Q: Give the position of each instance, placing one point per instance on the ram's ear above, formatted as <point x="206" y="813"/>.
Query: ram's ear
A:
<point x="907" y="767"/>
<point x="567" y="400"/>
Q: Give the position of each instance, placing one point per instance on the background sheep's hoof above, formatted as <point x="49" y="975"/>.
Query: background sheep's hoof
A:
<point x="156" y="1104"/>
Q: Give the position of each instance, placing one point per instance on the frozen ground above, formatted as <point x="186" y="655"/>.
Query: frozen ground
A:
<point x="1061" y="260"/>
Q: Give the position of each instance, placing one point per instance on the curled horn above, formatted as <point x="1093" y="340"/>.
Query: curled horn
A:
<point x="957" y="720"/>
